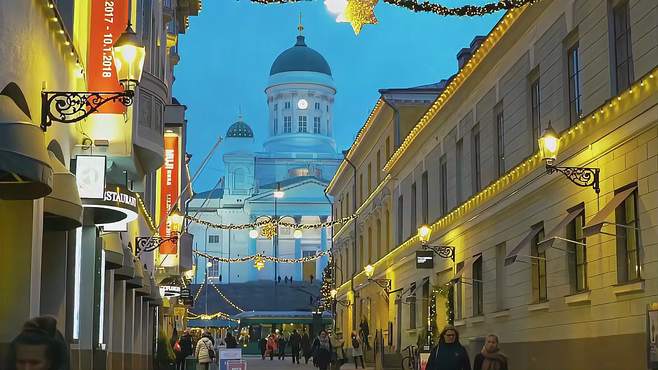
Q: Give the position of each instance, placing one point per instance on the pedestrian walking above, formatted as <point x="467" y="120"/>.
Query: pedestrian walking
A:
<point x="364" y="333"/>
<point x="337" y="351"/>
<point x="39" y="345"/>
<point x="286" y="279"/>
<point x="262" y="346"/>
<point x="205" y="352"/>
<point x="449" y="354"/>
<point x="322" y="351"/>
<point x="230" y="341"/>
<point x="357" y="351"/>
<point x="185" y="349"/>
<point x="282" y="346"/>
<point x="306" y="345"/>
<point x="295" y="345"/>
<point x="271" y="345"/>
<point x="490" y="357"/>
<point x="279" y="280"/>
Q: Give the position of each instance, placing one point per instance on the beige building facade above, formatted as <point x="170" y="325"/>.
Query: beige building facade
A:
<point x="563" y="274"/>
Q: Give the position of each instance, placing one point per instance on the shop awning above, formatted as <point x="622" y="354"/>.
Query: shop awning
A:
<point x="25" y="171"/>
<point x="62" y="208"/>
<point x="466" y="268"/>
<point x="595" y="225"/>
<point x="113" y="250"/>
<point x="137" y="281"/>
<point x="127" y="271"/>
<point x="514" y="253"/>
<point x="214" y="323"/>
<point x="559" y="230"/>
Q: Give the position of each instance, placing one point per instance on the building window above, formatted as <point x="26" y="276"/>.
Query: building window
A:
<point x="400" y="218"/>
<point x="458" y="294"/>
<point x="501" y="252"/>
<point x="369" y="178"/>
<point x="387" y="231"/>
<point x="286" y="105"/>
<point x="628" y="251"/>
<point x="575" y="85"/>
<point x="361" y="260"/>
<point x="213" y="269"/>
<point x="287" y="124"/>
<point x="414" y="209"/>
<point x="276" y="126"/>
<point x="478" y="292"/>
<point x="360" y="188"/>
<point x="213" y="239"/>
<point x="327" y="108"/>
<point x="378" y="246"/>
<point x="459" y="162"/>
<point x="424" y="200"/>
<point x="425" y="303"/>
<point x="475" y="158"/>
<point x="443" y="184"/>
<point x="316" y="125"/>
<point x="500" y="138"/>
<point x="539" y="290"/>
<point x="317" y="106"/>
<point x="370" y="246"/>
<point x="276" y="107"/>
<point x="388" y="148"/>
<point x="379" y="166"/>
<point x="302" y="124"/>
<point x="623" y="57"/>
<point x="412" y="306"/>
<point x="534" y="112"/>
<point x="577" y="252"/>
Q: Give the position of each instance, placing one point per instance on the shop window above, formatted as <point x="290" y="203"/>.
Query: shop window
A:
<point x="538" y="260"/>
<point x="627" y="235"/>
<point x="577" y="253"/>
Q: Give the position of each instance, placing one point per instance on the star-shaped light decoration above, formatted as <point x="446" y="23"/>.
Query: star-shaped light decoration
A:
<point x="268" y="230"/>
<point x="259" y="263"/>
<point x="360" y="12"/>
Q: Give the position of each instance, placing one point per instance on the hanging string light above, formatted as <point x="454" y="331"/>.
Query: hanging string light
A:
<point x="270" y="221"/>
<point x="259" y="264"/>
<point x="226" y="299"/>
<point x="263" y="257"/>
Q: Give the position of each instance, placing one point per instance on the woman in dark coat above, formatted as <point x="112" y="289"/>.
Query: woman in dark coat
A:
<point x="322" y="351"/>
<point x="449" y="354"/>
<point x="490" y="358"/>
<point x="295" y="343"/>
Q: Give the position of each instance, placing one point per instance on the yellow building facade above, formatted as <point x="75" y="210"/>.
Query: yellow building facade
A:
<point x="560" y="272"/>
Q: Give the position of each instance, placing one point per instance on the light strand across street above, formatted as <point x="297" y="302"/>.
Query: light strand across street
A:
<point x="210" y="316"/>
<point x="226" y="299"/>
<point x="269" y="221"/>
<point x="314" y="257"/>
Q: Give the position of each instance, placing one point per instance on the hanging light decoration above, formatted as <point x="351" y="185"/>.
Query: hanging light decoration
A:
<point x="259" y="263"/>
<point x="268" y="230"/>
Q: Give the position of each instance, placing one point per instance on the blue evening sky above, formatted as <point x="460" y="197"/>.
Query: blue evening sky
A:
<point x="227" y="53"/>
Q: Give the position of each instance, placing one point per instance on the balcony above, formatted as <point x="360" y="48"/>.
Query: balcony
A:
<point x="148" y="128"/>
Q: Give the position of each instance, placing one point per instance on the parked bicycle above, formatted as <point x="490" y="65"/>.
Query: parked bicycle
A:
<point x="410" y="359"/>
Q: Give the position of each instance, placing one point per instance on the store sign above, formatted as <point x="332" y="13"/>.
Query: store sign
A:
<point x="169" y="291"/>
<point x="186" y="297"/>
<point x="425" y="259"/>
<point x="169" y="175"/>
<point x="108" y="21"/>
<point x="90" y="176"/>
<point x="119" y="197"/>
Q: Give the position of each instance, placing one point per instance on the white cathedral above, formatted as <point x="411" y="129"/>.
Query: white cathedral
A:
<point x="298" y="158"/>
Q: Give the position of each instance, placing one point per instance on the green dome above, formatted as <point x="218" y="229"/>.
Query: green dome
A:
<point x="300" y="58"/>
<point x="239" y="129"/>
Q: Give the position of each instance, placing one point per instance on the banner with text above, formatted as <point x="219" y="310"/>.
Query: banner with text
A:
<point x="108" y="21"/>
<point x="169" y="190"/>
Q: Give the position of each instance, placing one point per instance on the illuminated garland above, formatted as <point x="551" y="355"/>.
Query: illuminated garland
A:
<point x="226" y="299"/>
<point x="270" y="221"/>
<point x="327" y="285"/>
<point x="461" y="11"/>
<point x="147" y="216"/>
<point x="196" y="296"/>
<point x="205" y="316"/>
<point x="263" y="257"/>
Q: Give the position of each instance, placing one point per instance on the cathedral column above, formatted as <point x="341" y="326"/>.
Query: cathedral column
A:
<point x="324" y="260"/>
<point x="299" y="271"/>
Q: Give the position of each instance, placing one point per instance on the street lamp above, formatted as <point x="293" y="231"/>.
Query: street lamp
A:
<point x="383" y="283"/>
<point x="549" y="145"/>
<point x="444" y="251"/>
<point x="297" y="234"/>
<point x="278" y="193"/>
<point x="176" y="220"/>
<point x="72" y="106"/>
<point x="253" y="233"/>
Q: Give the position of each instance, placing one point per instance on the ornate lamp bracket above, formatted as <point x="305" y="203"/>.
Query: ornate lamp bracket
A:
<point x="73" y="106"/>
<point x="581" y="176"/>
<point x="149" y="244"/>
<point x="384" y="284"/>
<point x="444" y="251"/>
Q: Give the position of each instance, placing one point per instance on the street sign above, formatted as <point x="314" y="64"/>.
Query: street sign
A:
<point x="425" y="259"/>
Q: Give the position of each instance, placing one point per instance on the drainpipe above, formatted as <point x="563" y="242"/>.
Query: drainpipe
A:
<point x="354" y="239"/>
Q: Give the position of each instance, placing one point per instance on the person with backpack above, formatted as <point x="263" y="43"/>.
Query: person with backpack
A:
<point x="357" y="351"/>
<point x="205" y="352"/>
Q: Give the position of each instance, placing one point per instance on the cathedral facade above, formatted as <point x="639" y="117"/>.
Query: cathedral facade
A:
<point x="296" y="162"/>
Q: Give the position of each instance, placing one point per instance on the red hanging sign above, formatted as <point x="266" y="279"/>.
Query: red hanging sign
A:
<point x="169" y="190"/>
<point x="108" y="21"/>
